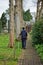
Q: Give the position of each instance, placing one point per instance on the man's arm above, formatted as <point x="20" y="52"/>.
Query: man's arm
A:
<point x="21" y="33"/>
<point x="26" y="35"/>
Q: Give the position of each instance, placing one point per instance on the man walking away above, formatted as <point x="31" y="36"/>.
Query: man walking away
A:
<point x="23" y="37"/>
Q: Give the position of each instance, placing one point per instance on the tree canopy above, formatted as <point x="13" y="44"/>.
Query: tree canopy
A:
<point x="27" y="15"/>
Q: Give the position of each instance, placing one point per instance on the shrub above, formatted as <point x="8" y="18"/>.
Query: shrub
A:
<point x="37" y="32"/>
<point x="39" y="49"/>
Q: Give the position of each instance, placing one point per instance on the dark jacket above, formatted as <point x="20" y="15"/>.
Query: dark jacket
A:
<point x="23" y="34"/>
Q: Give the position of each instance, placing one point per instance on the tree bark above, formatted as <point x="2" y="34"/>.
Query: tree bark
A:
<point x="11" y="5"/>
<point x="38" y="5"/>
<point x="19" y="16"/>
<point x="39" y="9"/>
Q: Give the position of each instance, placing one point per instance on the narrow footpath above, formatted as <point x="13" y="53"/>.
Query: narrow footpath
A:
<point x="29" y="55"/>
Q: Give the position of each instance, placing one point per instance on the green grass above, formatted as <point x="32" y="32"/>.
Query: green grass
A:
<point x="9" y="53"/>
<point x="39" y="49"/>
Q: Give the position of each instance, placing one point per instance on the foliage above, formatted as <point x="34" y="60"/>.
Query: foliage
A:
<point x="3" y="20"/>
<point x="37" y="32"/>
<point x="27" y="15"/>
<point x="39" y="49"/>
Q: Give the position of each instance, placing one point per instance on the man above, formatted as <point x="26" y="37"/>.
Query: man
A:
<point x="23" y="37"/>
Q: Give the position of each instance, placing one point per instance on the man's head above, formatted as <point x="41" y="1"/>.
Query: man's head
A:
<point x="23" y="28"/>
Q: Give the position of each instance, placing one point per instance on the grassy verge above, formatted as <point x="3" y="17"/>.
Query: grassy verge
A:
<point x="8" y="55"/>
<point x="39" y="49"/>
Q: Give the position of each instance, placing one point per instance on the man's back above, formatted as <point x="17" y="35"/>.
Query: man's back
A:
<point x="23" y="38"/>
<point x="23" y="34"/>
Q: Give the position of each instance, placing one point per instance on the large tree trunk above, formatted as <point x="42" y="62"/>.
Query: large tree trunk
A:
<point x="39" y="9"/>
<point x="11" y="23"/>
<point x="37" y="13"/>
<point x="21" y="13"/>
<point x="18" y="17"/>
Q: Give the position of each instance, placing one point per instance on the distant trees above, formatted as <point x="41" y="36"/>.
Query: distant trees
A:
<point x="0" y="26"/>
<point x="3" y="20"/>
<point x="27" y="15"/>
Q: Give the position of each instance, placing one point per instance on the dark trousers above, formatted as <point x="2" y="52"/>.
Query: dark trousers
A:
<point x="23" y="43"/>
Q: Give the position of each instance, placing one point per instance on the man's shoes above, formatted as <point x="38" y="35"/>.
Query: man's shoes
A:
<point x="23" y="48"/>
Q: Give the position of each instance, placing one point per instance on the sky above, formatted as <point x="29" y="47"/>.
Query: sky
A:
<point x="27" y="4"/>
<point x="30" y="4"/>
